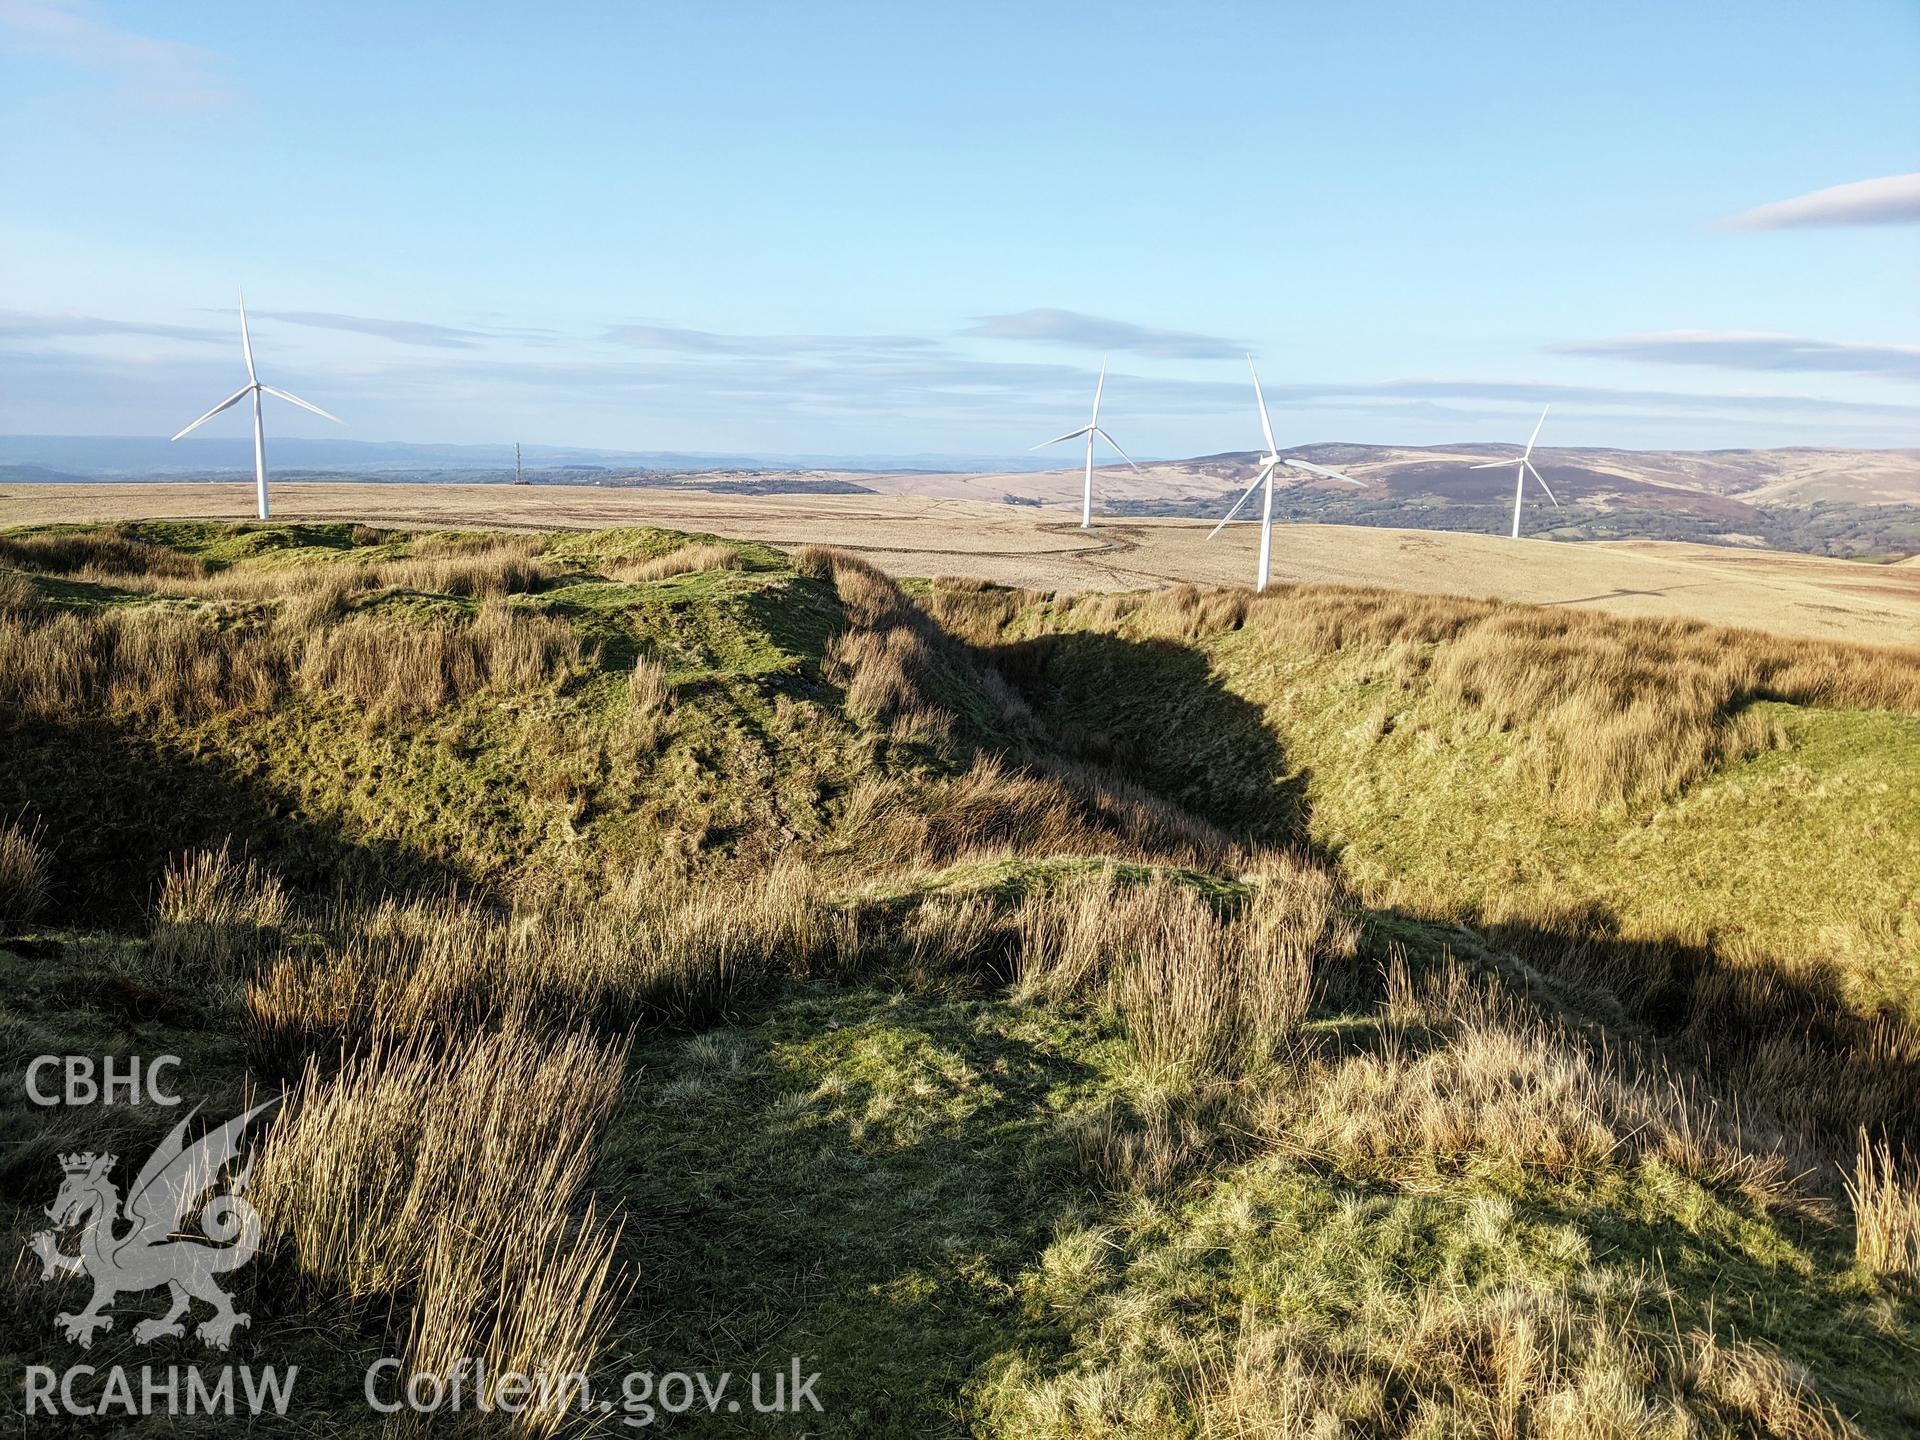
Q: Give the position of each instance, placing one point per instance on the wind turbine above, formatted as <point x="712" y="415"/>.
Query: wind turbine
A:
<point x="1090" y="429"/>
<point x="1269" y="464"/>
<point x="254" y="388"/>
<point x="1522" y="470"/>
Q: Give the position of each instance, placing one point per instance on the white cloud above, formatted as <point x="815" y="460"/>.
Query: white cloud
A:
<point x="1738" y="350"/>
<point x="1093" y="332"/>
<point x="1890" y="200"/>
<point x="162" y="73"/>
<point x="708" y="342"/>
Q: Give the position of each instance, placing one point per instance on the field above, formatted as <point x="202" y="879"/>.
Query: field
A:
<point x="1036" y="1005"/>
<point x="1031" y="548"/>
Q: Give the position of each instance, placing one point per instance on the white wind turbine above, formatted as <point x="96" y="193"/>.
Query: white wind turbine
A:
<point x="1270" y="463"/>
<point x="1522" y="470"/>
<point x="254" y="388"/>
<point x="1090" y="429"/>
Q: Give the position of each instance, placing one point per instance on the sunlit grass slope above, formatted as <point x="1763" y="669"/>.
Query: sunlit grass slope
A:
<point x="1177" y="1015"/>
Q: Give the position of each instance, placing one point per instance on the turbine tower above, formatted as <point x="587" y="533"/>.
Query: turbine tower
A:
<point x="1090" y="429"/>
<point x="1270" y="463"/>
<point x="254" y="388"/>
<point x="1521" y="472"/>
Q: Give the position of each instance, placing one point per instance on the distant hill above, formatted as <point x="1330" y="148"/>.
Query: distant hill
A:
<point x="1853" y="503"/>
<point x="1856" y="503"/>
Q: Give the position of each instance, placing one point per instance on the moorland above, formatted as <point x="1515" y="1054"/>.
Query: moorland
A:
<point x="1347" y="1010"/>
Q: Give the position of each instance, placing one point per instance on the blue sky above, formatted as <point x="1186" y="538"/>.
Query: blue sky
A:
<point x="895" y="229"/>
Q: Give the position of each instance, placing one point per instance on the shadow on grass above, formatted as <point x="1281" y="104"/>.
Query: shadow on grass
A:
<point x="857" y="1179"/>
<point x="1154" y="712"/>
<point x="114" y="807"/>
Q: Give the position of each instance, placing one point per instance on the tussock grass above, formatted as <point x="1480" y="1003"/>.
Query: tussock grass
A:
<point x="1619" y="709"/>
<point x="670" y="949"/>
<point x="687" y="560"/>
<point x="216" y="913"/>
<point x="399" y="667"/>
<point x="1463" y="1078"/>
<point x="507" y="568"/>
<point x="1612" y="710"/>
<point x="648" y="690"/>
<point x="96" y="554"/>
<point x="1202" y="994"/>
<point x="1885" y="1194"/>
<point x="17" y="592"/>
<point x="453" y="1177"/>
<point x="1294" y="1195"/>
<point x="143" y="662"/>
<point x="1358" y="1346"/>
<point x="25" y="872"/>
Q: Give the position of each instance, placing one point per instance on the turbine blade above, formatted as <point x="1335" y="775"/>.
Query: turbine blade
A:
<point x="1070" y="435"/>
<point x="233" y="399"/>
<point x="304" y="405"/>
<point x="246" y="341"/>
<point x="1490" y="465"/>
<point x="1323" y="470"/>
<point x="1245" y="495"/>
<point x="1266" y="425"/>
<point x="1543" y="484"/>
<point x="1116" y="445"/>
<point x="1536" y="430"/>
<point x="1100" y="385"/>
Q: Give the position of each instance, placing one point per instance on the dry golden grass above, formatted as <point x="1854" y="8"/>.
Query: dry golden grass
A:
<point x="454" y="1175"/>
<point x="145" y="661"/>
<point x="1465" y="1078"/>
<point x="684" y="561"/>
<point x="648" y="691"/>
<point x="1619" y="709"/>
<point x="17" y="592"/>
<point x="24" y="874"/>
<point x="994" y="810"/>
<point x="1885" y="1193"/>
<point x="671" y="949"/>
<point x="394" y="667"/>
<point x="1610" y="710"/>
<point x="155" y="660"/>
<point x="1525" y="1360"/>
<point x="1203" y="995"/>
<point x="216" y="914"/>
<point x="102" y="552"/>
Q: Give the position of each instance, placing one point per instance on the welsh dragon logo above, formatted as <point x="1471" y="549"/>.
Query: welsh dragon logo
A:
<point x="152" y="1251"/>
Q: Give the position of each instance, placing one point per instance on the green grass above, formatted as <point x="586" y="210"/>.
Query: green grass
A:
<point x="887" y="1183"/>
<point x="859" y="1179"/>
<point x="1805" y="852"/>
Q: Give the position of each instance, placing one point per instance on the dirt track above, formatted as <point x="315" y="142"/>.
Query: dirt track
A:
<point x="1045" y="549"/>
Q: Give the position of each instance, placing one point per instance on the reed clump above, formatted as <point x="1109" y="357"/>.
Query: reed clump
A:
<point x="687" y="560"/>
<point x="26" y="871"/>
<point x="395" y="668"/>
<point x="1884" y="1191"/>
<point x="454" y="1174"/>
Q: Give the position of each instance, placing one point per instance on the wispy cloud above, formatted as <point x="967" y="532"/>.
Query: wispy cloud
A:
<point x="163" y="73"/>
<point x="793" y="404"/>
<point x="406" y="332"/>
<point x="1890" y="200"/>
<point x="32" y="325"/>
<point x="1092" y="332"/>
<point x="1736" y="350"/>
<point x="707" y="342"/>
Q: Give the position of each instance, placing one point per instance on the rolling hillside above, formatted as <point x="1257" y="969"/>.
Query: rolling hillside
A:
<point x="1468" y="1025"/>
